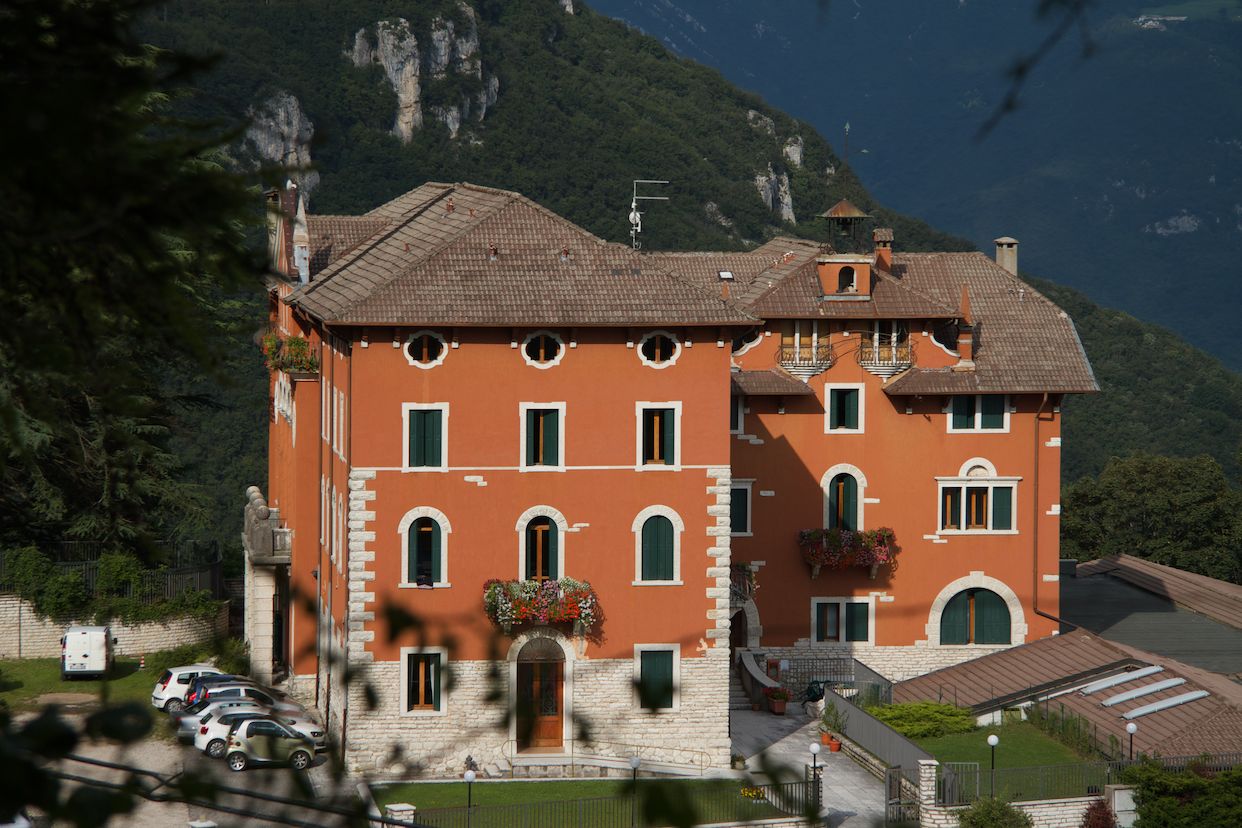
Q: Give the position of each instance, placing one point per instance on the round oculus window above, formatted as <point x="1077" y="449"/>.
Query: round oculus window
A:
<point x="425" y="349"/>
<point x="543" y="348"/>
<point x="659" y="349"/>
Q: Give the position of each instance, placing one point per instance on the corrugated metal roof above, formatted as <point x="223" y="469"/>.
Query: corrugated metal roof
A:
<point x="1216" y="599"/>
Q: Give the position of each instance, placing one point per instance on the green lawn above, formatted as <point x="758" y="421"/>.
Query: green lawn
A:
<point x="1021" y="745"/>
<point x="23" y="681"/>
<point x="582" y="802"/>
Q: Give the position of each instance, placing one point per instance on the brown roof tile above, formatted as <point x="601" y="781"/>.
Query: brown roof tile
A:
<point x="1219" y="600"/>
<point x="331" y="237"/>
<point x="770" y="383"/>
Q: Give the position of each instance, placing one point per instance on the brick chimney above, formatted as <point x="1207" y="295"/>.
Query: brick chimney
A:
<point x="1007" y="254"/>
<point x="965" y="335"/>
<point x="883" y="238"/>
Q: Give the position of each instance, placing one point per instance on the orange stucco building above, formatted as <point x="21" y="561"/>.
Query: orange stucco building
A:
<point x="515" y="469"/>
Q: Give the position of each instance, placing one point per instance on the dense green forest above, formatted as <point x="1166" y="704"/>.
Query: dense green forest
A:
<point x="585" y="105"/>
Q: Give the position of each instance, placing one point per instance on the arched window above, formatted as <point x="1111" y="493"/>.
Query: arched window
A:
<point x="423" y="566"/>
<point x="541" y="550"/>
<point x="845" y="280"/>
<point x="975" y="616"/>
<point x="658" y="552"/>
<point x="843" y="502"/>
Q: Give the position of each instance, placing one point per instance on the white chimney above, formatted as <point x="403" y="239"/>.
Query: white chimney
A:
<point x="1007" y="254"/>
<point x="301" y="242"/>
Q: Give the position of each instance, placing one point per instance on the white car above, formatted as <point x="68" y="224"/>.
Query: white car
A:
<point x="213" y="729"/>
<point x="188" y="725"/>
<point x="170" y="690"/>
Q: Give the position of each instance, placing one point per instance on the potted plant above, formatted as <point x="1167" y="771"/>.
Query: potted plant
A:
<point x="832" y="727"/>
<point x="875" y="548"/>
<point x="778" y="697"/>
<point x="833" y="548"/>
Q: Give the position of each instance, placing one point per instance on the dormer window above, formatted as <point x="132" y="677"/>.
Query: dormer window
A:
<point x="845" y="280"/>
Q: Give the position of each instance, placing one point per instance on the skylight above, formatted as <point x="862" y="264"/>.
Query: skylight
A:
<point x="1156" y="707"/>
<point x="1146" y="690"/>
<point x="1120" y="678"/>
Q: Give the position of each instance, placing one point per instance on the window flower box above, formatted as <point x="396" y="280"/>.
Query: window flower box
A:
<point x="514" y="603"/>
<point x="841" y="548"/>
<point x="292" y="355"/>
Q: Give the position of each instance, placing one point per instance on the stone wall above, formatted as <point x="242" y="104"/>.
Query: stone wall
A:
<point x="23" y="634"/>
<point x="894" y="663"/>
<point x="599" y="698"/>
<point x="1044" y="813"/>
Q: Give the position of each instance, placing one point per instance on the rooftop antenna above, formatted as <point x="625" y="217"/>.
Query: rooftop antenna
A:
<point x="636" y="217"/>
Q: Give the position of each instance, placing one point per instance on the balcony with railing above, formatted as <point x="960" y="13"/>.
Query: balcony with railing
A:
<point x="883" y="356"/>
<point x="806" y="359"/>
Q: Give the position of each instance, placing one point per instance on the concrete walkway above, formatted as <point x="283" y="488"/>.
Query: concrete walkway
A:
<point x="852" y="797"/>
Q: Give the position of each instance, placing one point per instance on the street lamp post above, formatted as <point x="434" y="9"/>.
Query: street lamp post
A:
<point x="815" y="748"/>
<point x="469" y="776"/>
<point x="1132" y="728"/>
<point x="634" y="763"/>
<point x="993" y="741"/>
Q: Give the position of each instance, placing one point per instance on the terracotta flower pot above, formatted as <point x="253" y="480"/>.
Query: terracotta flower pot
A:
<point x="778" y="706"/>
<point x="825" y="738"/>
<point x="834" y="744"/>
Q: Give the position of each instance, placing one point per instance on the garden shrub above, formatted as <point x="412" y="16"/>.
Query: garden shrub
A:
<point x="1193" y="798"/>
<point x="232" y="656"/>
<point x="993" y="813"/>
<point x="922" y="720"/>
<point x="1099" y="815"/>
<point x="119" y="575"/>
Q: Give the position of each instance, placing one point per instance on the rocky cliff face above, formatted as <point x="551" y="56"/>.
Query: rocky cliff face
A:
<point x="450" y="48"/>
<point x="280" y="134"/>
<point x="773" y="188"/>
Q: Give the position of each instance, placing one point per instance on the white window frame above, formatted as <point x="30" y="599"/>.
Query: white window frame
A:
<point x="403" y="531"/>
<point x="543" y="366"/>
<point x="659" y="366"/>
<point x="406" y="408"/>
<point x="325" y="391"/>
<point x="869" y="600"/>
<point x="948" y="410"/>
<point x="639" y="408"/>
<point x="861" y="388"/>
<point x="562" y="528"/>
<point x="559" y="407"/>
<point x="332" y="524"/>
<point x="738" y="402"/>
<point x="675" y="649"/>
<point x="407" y="652"/>
<point x="750" y="507"/>
<point x="444" y="349"/>
<point x="636" y="527"/>
<point x="859" y="478"/>
<point x="340" y="532"/>
<point x="989" y="483"/>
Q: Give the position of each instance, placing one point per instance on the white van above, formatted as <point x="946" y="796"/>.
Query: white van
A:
<point x="86" y="652"/>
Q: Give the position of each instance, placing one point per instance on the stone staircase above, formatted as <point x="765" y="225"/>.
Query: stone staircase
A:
<point x="738" y="700"/>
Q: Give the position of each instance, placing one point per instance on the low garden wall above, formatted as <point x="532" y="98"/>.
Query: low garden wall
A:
<point x="23" y="634"/>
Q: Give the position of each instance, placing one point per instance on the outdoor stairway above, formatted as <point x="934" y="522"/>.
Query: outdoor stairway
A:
<point x="738" y="699"/>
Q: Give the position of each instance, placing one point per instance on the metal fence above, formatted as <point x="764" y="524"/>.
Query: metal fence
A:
<point x="961" y="783"/>
<point x="848" y="676"/>
<point x="713" y="802"/>
<point x="192" y="566"/>
<point x="877" y="738"/>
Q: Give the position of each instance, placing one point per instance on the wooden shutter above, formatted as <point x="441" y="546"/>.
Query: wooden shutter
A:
<point x="416" y="440"/>
<point x="432" y="428"/>
<point x="435" y="552"/>
<point x="834" y="500"/>
<point x="411" y="682"/>
<point x="532" y="437"/>
<point x="532" y="541"/>
<point x="856" y="622"/>
<point x="827" y="621"/>
<point x="667" y="435"/>
<point x="551" y="437"/>
<point x="951" y="507"/>
<point x="992" y="411"/>
<point x="655" y="679"/>
<point x="849" y="508"/>
<point x="991" y="618"/>
<point x="849" y="406"/>
<point x="551" y="552"/>
<point x="739" y="510"/>
<point x="964" y="412"/>
<point x="1002" y="507"/>
<point x="955" y="620"/>
<point x="433" y="679"/>
<point x="657" y="549"/>
<point x="649" y="424"/>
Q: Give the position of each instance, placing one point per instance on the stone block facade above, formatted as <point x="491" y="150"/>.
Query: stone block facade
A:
<point x="23" y="634"/>
<point x="599" y="700"/>
<point x="894" y="663"/>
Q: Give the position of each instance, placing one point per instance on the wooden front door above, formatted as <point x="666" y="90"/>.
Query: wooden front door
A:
<point x="540" y="708"/>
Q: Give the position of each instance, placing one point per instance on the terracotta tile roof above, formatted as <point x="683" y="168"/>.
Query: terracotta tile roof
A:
<point x="331" y="237"/>
<point x="771" y="383"/>
<point x="1219" y="600"/>
<point x="1057" y="668"/>
<point x="1023" y="342"/>
<point x="432" y="263"/>
<point x="754" y="271"/>
<point x="800" y="296"/>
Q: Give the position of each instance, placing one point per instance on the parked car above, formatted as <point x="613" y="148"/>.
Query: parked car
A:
<point x="188" y="724"/>
<point x="266" y="696"/>
<point x="266" y="741"/>
<point x="86" y="652"/>
<point x="195" y="693"/>
<point x="170" y="691"/>
<point x="307" y="727"/>
<point x="213" y="731"/>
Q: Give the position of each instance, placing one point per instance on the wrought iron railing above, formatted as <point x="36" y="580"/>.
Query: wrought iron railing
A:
<point x="807" y="355"/>
<point x="885" y="352"/>
<point x="742" y="584"/>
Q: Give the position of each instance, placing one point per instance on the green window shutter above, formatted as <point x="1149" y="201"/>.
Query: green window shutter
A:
<point x="951" y="506"/>
<point x="1002" y="507"/>
<point x="411" y="554"/>
<point x="992" y="411"/>
<point x="416" y="439"/>
<point x="849" y="413"/>
<point x="739" y="510"/>
<point x="647" y="437"/>
<point x="551" y="438"/>
<point x="655" y="679"/>
<point x="657" y="549"/>
<point x="433" y="677"/>
<point x="435" y="553"/>
<point x="834" y="408"/>
<point x="832" y="504"/>
<point x="553" y="564"/>
<point x="955" y="620"/>
<point x="991" y="618"/>
<point x="531" y="540"/>
<point x="532" y="437"/>
<point x="667" y="437"/>
<point x="821" y="622"/>
<point x="856" y="622"/>
<point x="850" y="510"/>
<point x="735" y="413"/>
<point x="963" y="412"/>
<point x="432" y="428"/>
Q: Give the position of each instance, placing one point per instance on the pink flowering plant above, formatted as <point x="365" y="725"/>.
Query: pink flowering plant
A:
<point x="877" y="546"/>
<point x="508" y="603"/>
<point x="842" y="548"/>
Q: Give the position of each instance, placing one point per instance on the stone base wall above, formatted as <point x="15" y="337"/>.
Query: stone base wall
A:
<point x="1048" y="813"/>
<point x="894" y="663"/>
<point x="23" y="634"/>
<point x="599" y="695"/>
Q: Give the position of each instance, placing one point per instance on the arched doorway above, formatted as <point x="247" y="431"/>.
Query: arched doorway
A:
<point x="540" y="694"/>
<point x="738" y="634"/>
